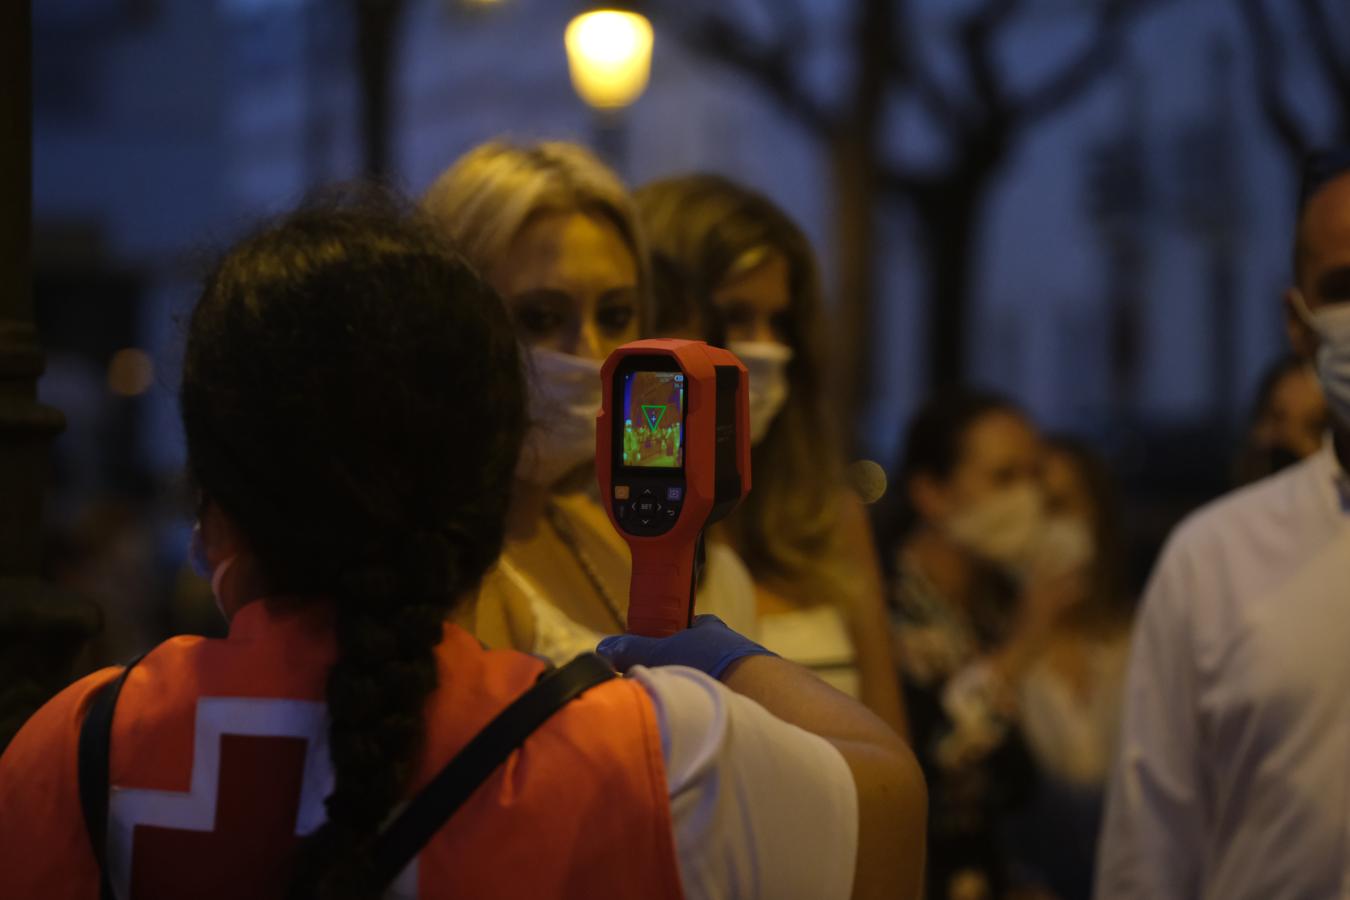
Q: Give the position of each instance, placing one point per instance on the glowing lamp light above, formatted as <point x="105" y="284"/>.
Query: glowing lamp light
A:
<point x="131" y="372"/>
<point x="609" y="54"/>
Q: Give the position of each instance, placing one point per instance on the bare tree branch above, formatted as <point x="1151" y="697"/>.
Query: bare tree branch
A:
<point x="773" y="68"/>
<point x="1335" y="61"/>
<point x="794" y="27"/>
<point x="898" y="181"/>
<point x="1077" y="75"/>
<point x="907" y="71"/>
<point x="1268" y="58"/>
<point x="979" y="34"/>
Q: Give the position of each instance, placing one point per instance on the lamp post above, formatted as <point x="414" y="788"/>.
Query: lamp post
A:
<point x="42" y="629"/>
<point x="609" y="56"/>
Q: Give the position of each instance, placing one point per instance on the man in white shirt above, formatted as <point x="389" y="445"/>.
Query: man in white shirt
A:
<point x="1233" y="779"/>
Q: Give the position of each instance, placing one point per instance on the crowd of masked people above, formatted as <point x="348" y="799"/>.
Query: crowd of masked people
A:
<point x="952" y="694"/>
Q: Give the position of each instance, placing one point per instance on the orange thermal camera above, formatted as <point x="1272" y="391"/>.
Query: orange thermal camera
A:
<point x="673" y="456"/>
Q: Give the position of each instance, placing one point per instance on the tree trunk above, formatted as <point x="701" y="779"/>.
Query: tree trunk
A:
<point x="949" y="212"/>
<point x="854" y="157"/>
<point x="377" y="24"/>
<point x="41" y="630"/>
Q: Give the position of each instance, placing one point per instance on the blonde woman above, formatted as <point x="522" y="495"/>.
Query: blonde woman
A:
<point x="731" y="268"/>
<point x="554" y="232"/>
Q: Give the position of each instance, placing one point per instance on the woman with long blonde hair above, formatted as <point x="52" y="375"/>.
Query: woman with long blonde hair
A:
<point x="555" y="232"/>
<point x="731" y="268"/>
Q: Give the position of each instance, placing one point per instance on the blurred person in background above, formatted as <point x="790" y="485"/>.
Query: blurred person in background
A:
<point x="984" y="582"/>
<point x="354" y="403"/>
<point x="1234" y="769"/>
<point x="1289" y="421"/>
<point x="554" y="231"/>
<point x="731" y="268"/>
<point x="1070" y="698"/>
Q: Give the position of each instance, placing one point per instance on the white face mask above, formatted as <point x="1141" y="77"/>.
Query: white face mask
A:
<point x="1001" y="529"/>
<point x="202" y="566"/>
<point x="767" y="362"/>
<point x="1332" y="324"/>
<point x="1065" y="545"/>
<point x="565" y="395"/>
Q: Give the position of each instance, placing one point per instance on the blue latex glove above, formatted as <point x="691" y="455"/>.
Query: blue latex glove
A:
<point x="708" y="645"/>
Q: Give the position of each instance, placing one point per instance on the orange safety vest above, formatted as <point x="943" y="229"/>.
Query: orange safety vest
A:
<point x="220" y="760"/>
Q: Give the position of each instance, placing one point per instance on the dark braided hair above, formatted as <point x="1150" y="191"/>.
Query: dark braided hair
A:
<point x="353" y="402"/>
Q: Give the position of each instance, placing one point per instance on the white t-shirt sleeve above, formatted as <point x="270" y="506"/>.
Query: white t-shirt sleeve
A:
<point x="1152" y="839"/>
<point x="761" y="808"/>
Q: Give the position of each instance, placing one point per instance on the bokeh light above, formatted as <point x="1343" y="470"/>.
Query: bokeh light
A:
<point x="131" y="372"/>
<point x="609" y="54"/>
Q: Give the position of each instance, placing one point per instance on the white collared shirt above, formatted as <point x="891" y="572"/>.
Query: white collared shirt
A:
<point x="1233" y="779"/>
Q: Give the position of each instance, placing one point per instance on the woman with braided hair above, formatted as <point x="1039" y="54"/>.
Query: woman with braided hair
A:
<point x="353" y="402"/>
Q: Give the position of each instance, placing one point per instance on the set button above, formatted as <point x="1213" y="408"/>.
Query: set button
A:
<point x="647" y="511"/>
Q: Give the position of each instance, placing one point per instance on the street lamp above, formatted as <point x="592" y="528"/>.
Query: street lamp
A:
<point x="609" y="56"/>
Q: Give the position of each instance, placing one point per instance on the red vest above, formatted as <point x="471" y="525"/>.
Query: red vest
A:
<point x="220" y="758"/>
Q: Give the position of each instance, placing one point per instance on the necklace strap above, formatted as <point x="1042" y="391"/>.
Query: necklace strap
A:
<point x="566" y="531"/>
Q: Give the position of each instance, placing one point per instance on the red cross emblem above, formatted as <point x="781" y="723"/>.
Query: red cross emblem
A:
<point x="260" y="772"/>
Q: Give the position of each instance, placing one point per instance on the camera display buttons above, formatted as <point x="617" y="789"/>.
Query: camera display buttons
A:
<point x="647" y="509"/>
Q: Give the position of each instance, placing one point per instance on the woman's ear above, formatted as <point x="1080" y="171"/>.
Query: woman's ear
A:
<point x="219" y="535"/>
<point x="928" y="497"/>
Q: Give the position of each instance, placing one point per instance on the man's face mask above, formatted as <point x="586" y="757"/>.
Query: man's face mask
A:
<point x="767" y="362"/>
<point x="564" y="397"/>
<point x="1332" y="326"/>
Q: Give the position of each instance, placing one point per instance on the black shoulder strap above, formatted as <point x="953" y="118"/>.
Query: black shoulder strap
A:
<point x="405" y="837"/>
<point x="94" y="759"/>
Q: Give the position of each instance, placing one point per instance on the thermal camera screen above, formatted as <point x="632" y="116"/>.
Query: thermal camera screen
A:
<point x="653" y="420"/>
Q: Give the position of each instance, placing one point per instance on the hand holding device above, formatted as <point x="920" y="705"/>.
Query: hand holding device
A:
<point x="672" y="456"/>
<point x="708" y="645"/>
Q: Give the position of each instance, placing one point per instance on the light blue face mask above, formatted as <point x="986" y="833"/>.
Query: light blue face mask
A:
<point x="202" y="566"/>
<point x="1332" y="325"/>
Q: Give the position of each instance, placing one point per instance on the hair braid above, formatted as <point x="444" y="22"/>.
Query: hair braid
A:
<point x="353" y="401"/>
<point x="385" y="671"/>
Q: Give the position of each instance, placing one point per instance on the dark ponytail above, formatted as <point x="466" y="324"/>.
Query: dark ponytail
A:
<point x="353" y="402"/>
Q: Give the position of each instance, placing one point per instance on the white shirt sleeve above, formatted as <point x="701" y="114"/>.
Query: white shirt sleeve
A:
<point x="761" y="808"/>
<point x="1152" y="840"/>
